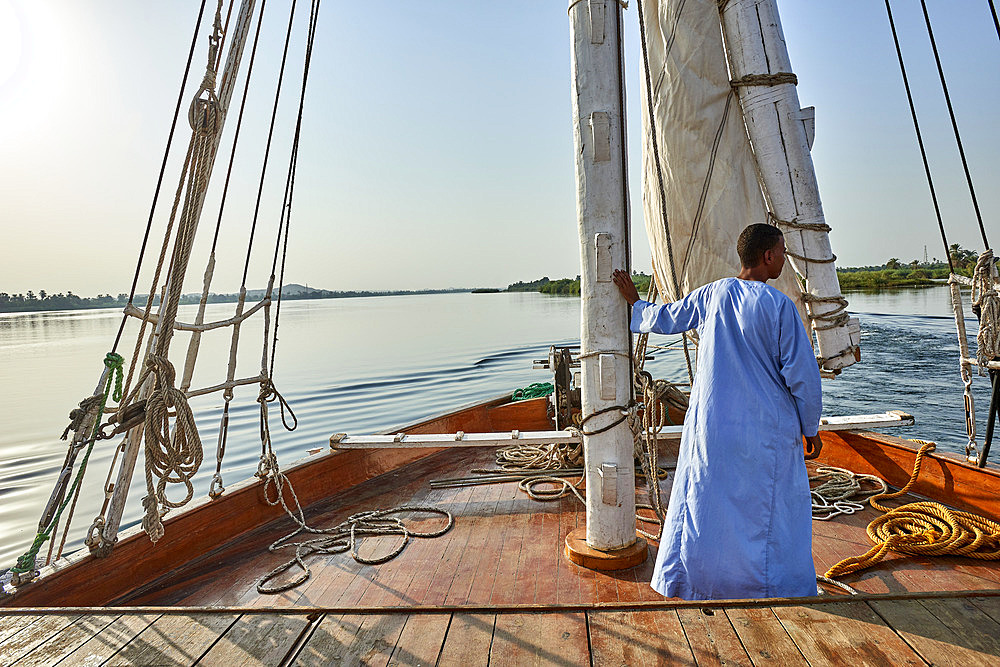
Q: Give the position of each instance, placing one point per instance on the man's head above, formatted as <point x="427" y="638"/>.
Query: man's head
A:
<point x="762" y="246"/>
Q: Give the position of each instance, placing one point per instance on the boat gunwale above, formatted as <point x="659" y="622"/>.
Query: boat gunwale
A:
<point x="50" y="574"/>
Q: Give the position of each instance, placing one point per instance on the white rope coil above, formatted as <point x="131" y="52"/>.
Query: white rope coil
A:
<point x="841" y="492"/>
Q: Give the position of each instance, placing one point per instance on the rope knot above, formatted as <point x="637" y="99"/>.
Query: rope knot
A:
<point x="79" y="414"/>
<point x="152" y="523"/>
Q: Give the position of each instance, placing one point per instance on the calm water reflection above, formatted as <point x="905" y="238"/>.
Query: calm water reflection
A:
<point x="363" y="365"/>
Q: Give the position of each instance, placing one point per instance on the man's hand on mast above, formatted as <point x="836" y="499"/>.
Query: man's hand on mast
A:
<point x="625" y="285"/>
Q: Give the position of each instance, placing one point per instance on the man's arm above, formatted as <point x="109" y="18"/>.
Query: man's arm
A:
<point x="667" y="318"/>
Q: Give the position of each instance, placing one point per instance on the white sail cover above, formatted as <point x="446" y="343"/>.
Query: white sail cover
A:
<point x="709" y="177"/>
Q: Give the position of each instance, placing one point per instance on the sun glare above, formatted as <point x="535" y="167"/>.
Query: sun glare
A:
<point x="10" y="42"/>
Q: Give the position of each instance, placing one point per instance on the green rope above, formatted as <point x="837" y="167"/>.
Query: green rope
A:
<point x="533" y="391"/>
<point x="114" y="363"/>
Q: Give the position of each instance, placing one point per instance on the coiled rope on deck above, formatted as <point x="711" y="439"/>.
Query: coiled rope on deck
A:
<point x="841" y="492"/>
<point x="540" y="457"/>
<point x="923" y="529"/>
<point x="534" y="390"/>
<point x="345" y="536"/>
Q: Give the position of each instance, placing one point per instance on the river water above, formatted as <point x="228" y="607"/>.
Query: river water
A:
<point x="368" y="364"/>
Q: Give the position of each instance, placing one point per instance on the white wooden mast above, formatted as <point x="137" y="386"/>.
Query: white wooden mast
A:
<point x="781" y="133"/>
<point x="602" y="213"/>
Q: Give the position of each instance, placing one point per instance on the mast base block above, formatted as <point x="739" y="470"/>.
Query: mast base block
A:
<point x="584" y="555"/>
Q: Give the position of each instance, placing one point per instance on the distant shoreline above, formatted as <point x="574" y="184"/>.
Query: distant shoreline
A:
<point x="862" y="279"/>
<point x="46" y="303"/>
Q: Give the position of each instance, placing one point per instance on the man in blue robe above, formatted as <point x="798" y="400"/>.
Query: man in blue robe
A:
<point x="739" y="522"/>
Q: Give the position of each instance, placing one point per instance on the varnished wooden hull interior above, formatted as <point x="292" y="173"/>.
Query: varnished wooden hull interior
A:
<point x="505" y="550"/>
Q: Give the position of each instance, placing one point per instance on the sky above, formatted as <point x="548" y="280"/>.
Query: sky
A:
<point x="437" y="146"/>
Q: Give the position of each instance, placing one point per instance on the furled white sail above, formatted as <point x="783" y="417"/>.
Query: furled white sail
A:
<point x="709" y="178"/>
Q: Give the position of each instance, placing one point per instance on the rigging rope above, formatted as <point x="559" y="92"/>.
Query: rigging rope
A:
<point x="993" y="12"/>
<point x="923" y="529"/>
<point x="920" y="139"/>
<point x="954" y="125"/>
<point x="163" y="169"/>
<point x="654" y="141"/>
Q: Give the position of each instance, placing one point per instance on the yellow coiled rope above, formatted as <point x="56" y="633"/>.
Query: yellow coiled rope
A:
<point x="923" y="529"/>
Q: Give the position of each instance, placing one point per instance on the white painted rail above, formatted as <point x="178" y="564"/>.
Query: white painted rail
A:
<point x="462" y="439"/>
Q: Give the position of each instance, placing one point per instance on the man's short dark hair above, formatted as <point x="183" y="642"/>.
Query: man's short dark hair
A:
<point x="754" y="241"/>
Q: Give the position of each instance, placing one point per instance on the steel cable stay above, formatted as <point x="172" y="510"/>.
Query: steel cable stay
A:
<point x="986" y="301"/>
<point x="993" y="13"/>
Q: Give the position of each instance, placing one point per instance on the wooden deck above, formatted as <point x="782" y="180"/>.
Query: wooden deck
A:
<point x="505" y="549"/>
<point x="916" y="631"/>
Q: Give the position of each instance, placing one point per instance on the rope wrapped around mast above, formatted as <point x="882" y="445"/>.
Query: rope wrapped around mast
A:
<point x="986" y="301"/>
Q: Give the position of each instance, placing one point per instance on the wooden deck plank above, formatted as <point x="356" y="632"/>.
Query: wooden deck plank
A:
<point x="256" y="639"/>
<point x="977" y="630"/>
<point x="467" y="643"/>
<point x="567" y="581"/>
<point x="345" y="581"/>
<point x="12" y="625"/>
<point x="431" y="582"/>
<point x="108" y="641"/>
<point x="328" y="644"/>
<point x="764" y="638"/>
<point x="851" y="631"/>
<point x="421" y="640"/>
<point x="506" y="575"/>
<point x="482" y="552"/>
<point x="569" y="634"/>
<point x="546" y="580"/>
<point x="391" y="583"/>
<point x="932" y="639"/>
<point x="375" y="640"/>
<point x="936" y="630"/>
<point x="489" y="563"/>
<point x="67" y="640"/>
<point x="33" y="635"/>
<point x="522" y="587"/>
<point x="539" y="639"/>
<point x="533" y="568"/>
<point x="712" y="638"/>
<point x="638" y="638"/>
<point x="478" y="512"/>
<point x="989" y="606"/>
<point x="455" y="549"/>
<point x="170" y="639"/>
